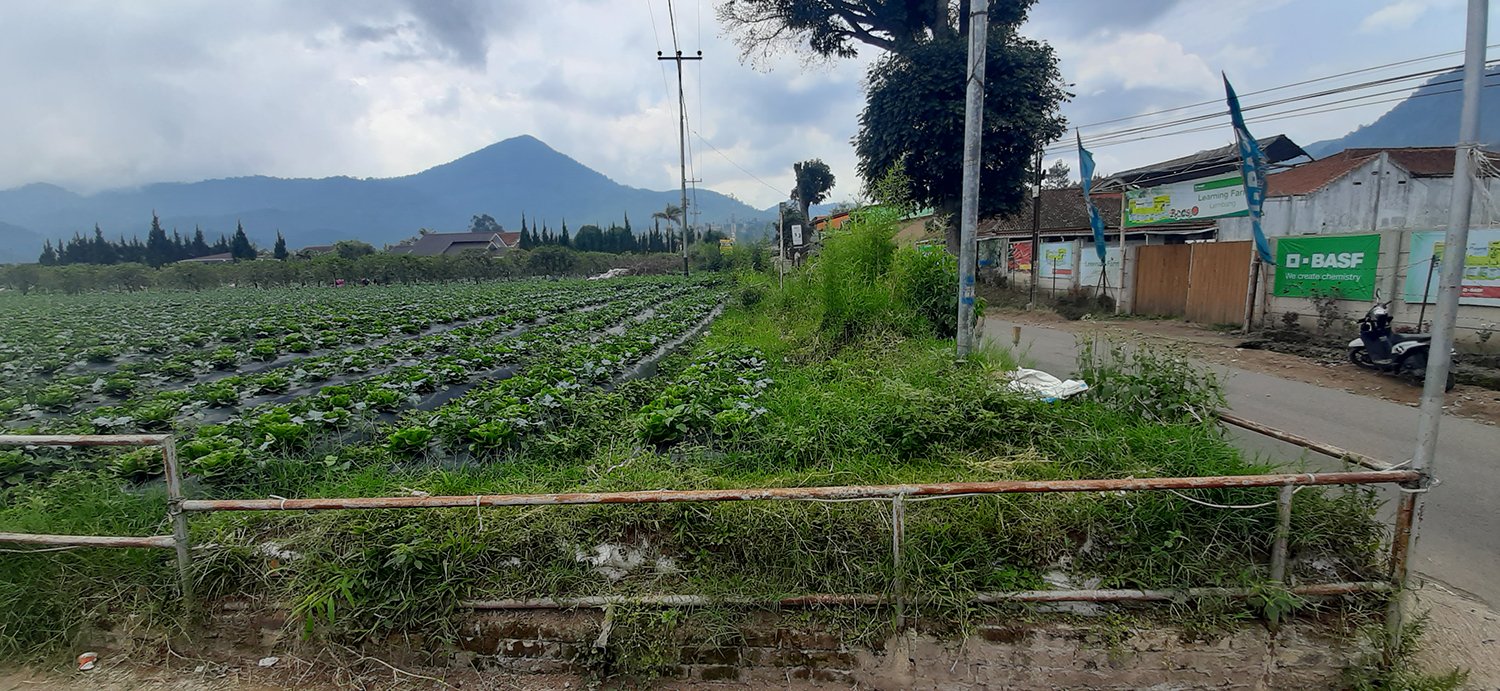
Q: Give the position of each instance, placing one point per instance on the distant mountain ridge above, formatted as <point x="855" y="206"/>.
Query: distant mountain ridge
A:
<point x="520" y="175"/>
<point x="1429" y="117"/>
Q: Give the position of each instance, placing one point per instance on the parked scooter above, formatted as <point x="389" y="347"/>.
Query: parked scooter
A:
<point x="1380" y="348"/>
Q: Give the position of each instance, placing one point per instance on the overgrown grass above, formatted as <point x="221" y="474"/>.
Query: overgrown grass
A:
<point x="866" y="398"/>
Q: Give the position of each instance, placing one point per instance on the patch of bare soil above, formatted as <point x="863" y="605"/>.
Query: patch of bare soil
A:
<point x="1328" y="370"/>
<point x="1459" y="633"/>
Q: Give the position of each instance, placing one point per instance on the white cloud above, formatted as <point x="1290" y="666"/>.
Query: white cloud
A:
<point x="1133" y="61"/>
<point x="1401" y="14"/>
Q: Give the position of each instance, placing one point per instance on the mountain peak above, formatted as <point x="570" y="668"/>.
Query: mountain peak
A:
<point x="515" y="176"/>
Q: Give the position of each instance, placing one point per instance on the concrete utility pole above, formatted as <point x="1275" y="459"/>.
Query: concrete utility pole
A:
<point x="1036" y="229"/>
<point x="1439" y="359"/>
<point x="969" y="212"/>
<point x="682" y="145"/>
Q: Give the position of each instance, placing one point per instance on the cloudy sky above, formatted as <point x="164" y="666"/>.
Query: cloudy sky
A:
<point x="107" y="94"/>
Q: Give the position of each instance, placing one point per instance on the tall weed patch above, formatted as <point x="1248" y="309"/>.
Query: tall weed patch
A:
<point x="860" y="283"/>
<point x="1160" y="385"/>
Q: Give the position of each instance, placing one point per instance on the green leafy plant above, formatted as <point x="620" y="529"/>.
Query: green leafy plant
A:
<point x="409" y="440"/>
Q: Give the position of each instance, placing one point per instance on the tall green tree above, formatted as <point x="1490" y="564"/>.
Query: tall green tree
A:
<point x="484" y="223"/>
<point x="563" y="239"/>
<point x="159" y="249"/>
<point x="914" y="108"/>
<point x="279" y="251"/>
<point x="49" y="255"/>
<point x="239" y="246"/>
<point x="199" y="246"/>
<point x="814" y="180"/>
<point x="834" y="29"/>
<point x="914" y="119"/>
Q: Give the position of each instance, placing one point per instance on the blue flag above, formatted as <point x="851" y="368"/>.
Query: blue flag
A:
<point x="1253" y="167"/>
<point x="1086" y="169"/>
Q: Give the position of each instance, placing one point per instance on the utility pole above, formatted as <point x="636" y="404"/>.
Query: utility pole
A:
<point x="973" y="133"/>
<point x="1439" y="358"/>
<point x="1036" y="228"/>
<point x="682" y="144"/>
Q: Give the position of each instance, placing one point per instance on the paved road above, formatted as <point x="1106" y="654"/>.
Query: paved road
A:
<point x="1460" y="535"/>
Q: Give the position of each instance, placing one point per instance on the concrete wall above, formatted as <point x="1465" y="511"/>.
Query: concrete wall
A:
<point x="1390" y="279"/>
<point x="996" y="250"/>
<point x="1349" y="205"/>
<point x="993" y="656"/>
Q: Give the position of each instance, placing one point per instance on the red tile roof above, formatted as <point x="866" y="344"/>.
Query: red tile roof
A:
<point x="1062" y="210"/>
<point x="1421" y="162"/>
<point x="1311" y="177"/>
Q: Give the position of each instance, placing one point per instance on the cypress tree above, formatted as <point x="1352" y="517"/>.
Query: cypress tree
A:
<point x="49" y="256"/>
<point x="240" y="247"/>
<point x="280" y="250"/>
<point x="102" y="250"/>
<point x="158" y="247"/>
<point x="199" y="247"/>
<point x="563" y="238"/>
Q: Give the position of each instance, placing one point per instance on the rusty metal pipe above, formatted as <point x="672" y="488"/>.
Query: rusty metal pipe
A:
<point x="1325" y="449"/>
<point x="868" y="600"/>
<point x="83" y="439"/>
<point x="154" y="541"/>
<point x="805" y="493"/>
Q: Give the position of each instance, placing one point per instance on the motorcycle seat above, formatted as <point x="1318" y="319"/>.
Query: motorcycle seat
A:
<point x="1400" y="337"/>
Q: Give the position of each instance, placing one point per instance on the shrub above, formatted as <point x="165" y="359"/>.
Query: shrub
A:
<point x="1161" y="385"/>
<point x="925" y="280"/>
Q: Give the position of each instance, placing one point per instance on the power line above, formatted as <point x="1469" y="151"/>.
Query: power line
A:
<point x="1273" y="117"/>
<point x="1290" y="99"/>
<point x="1127" y="134"/>
<point x="1305" y="82"/>
<point x="732" y="162"/>
<point x="666" y="88"/>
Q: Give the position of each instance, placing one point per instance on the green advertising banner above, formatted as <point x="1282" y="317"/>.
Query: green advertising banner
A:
<point x="1190" y="200"/>
<point x="1327" y="265"/>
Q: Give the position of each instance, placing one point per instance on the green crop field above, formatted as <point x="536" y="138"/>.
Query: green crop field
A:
<point x="843" y="375"/>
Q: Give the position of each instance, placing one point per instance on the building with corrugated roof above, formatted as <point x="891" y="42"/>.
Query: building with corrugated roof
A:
<point x="435" y="244"/>
<point x="1367" y="190"/>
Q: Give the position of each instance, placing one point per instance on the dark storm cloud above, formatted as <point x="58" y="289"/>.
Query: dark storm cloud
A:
<point x="460" y="26"/>
<point x="454" y="31"/>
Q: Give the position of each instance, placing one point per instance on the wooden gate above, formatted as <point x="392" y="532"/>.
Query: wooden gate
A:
<point x="1203" y="282"/>
<point x="1218" y="281"/>
<point x="1161" y="279"/>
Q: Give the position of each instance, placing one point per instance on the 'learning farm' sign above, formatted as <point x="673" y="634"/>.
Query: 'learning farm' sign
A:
<point x="1215" y="197"/>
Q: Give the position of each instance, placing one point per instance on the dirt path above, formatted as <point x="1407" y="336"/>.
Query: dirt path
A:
<point x="1465" y="401"/>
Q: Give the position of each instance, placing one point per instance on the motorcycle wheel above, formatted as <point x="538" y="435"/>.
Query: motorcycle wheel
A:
<point x="1415" y="368"/>
<point x="1361" y="358"/>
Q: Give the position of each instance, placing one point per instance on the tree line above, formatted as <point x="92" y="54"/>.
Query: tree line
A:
<point x="355" y="268"/>
<point x="158" y="249"/>
<point x="615" y="239"/>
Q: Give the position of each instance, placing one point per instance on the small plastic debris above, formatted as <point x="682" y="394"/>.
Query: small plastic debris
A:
<point x="86" y="661"/>
<point x="268" y="661"/>
<point x="1041" y="385"/>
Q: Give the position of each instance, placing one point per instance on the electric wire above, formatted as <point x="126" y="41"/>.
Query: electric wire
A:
<point x="1304" y="82"/>
<point x="1125" y="132"/>
<point x="1268" y="117"/>
<point x="732" y="162"/>
<point x="1315" y="109"/>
